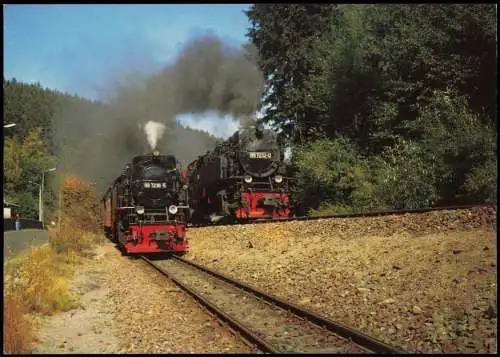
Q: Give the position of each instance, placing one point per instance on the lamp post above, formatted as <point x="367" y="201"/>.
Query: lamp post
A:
<point x="9" y="125"/>
<point x="40" y="198"/>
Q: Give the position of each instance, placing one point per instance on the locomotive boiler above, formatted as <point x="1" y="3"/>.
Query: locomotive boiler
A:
<point x="241" y="178"/>
<point x="145" y="209"/>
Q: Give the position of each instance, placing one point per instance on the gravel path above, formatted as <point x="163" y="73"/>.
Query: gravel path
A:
<point x="281" y="329"/>
<point x="130" y="308"/>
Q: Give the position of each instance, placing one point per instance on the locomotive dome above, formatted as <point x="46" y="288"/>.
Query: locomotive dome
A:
<point x="259" y="151"/>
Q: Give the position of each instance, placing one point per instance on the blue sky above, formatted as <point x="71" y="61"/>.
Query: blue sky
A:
<point x="79" y="48"/>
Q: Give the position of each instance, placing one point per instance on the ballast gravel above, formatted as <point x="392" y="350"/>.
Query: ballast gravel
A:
<point x="423" y="282"/>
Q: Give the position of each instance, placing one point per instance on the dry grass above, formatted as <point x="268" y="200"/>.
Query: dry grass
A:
<point x="17" y="329"/>
<point x="38" y="282"/>
<point x="68" y="238"/>
<point x="80" y="203"/>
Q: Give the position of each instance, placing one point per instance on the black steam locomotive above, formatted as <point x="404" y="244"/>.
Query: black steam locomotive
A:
<point x="145" y="209"/>
<point x="242" y="178"/>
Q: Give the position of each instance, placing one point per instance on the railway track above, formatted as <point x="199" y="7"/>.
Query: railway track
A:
<point x="344" y="215"/>
<point x="263" y="320"/>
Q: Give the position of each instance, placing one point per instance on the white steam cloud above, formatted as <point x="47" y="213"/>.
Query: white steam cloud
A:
<point x="154" y="132"/>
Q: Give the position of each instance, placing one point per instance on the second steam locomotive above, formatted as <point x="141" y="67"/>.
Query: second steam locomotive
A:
<point x="241" y="178"/>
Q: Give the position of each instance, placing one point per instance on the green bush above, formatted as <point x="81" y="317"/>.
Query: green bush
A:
<point x="481" y="182"/>
<point x="460" y="146"/>
<point x="333" y="173"/>
<point x="406" y="177"/>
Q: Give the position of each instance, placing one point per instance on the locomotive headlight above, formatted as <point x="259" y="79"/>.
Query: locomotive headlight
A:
<point x="139" y="209"/>
<point x="185" y="187"/>
<point x="278" y="179"/>
<point x="156" y="153"/>
<point x="173" y="209"/>
<point x="247" y="178"/>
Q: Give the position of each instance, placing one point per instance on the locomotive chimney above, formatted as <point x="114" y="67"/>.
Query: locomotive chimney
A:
<point x="259" y="130"/>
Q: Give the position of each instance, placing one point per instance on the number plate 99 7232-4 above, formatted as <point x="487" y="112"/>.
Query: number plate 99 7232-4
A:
<point x="259" y="155"/>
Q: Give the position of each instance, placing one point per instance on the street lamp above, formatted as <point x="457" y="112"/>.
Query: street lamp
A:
<point x="9" y="125"/>
<point x="40" y="198"/>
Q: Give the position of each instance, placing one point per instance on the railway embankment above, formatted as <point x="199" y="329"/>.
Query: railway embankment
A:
<point x="425" y="282"/>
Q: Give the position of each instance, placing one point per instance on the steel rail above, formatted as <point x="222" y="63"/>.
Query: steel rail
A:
<point x="349" y="333"/>
<point x="235" y="324"/>
<point x="344" y="215"/>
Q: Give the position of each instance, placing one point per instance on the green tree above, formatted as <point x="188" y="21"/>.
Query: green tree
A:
<point x="361" y="70"/>
<point x="462" y="145"/>
<point x="414" y="86"/>
<point x="416" y="49"/>
<point x="293" y="60"/>
<point x="24" y="162"/>
<point x="29" y="106"/>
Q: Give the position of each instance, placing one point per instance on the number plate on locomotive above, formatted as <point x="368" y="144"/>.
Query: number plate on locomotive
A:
<point x="259" y="155"/>
<point x="155" y="185"/>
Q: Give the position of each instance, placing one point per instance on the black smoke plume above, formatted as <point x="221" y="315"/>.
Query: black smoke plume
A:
<point x="207" y="76"/>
